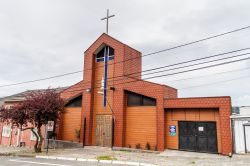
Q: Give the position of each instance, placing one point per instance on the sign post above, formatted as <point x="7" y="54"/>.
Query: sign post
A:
<point x="50" y="128"/>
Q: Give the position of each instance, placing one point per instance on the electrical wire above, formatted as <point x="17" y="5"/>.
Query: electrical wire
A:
<point x="149" y="54"/>
<point x="217" y="82"/>
<point x="189" y="78"/>
<point x="184" y="62"/>
<point x="170" y="74"/>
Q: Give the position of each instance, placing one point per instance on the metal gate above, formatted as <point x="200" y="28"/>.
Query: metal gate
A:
<point x="103" y="132"/>
<point x="198" y="136"/>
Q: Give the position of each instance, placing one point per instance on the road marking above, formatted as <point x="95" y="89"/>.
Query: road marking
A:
<point x="39" y="163"/>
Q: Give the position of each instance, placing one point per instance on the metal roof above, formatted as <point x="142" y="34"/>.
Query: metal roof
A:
<point x="21" y="96"/>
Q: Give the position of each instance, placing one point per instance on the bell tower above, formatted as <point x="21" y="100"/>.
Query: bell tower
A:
<point x="107" y="62"/>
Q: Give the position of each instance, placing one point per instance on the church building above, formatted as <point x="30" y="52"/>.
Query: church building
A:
<point x="114" y="107"/>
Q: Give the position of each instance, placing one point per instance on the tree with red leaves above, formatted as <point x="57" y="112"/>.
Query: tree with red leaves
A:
<point x="35" y="112"/>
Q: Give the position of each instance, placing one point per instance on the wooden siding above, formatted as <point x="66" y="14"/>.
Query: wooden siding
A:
<point x="172" y="117"/>
<point x="98" y="108"/>
<point x="140" y="126"/>
<point x="71" y="120"/>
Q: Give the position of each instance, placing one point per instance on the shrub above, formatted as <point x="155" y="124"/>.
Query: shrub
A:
<point x="77" y="133"/>
<point x="138" y="146"/>
<point x="147" y="146"/>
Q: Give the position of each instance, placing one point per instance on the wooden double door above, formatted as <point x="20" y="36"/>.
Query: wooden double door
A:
<point x="103" y="131"/>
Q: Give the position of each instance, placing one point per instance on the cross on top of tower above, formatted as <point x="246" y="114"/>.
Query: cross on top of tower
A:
<point x="107" y="20"/>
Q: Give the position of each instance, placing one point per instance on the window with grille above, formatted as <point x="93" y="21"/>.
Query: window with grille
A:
<point x="100" y="54"/>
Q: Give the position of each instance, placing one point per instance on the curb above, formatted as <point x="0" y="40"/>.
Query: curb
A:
<point x="95" y="160"/>
<point x="134" y="150"/>
<point x="16" y="155"/>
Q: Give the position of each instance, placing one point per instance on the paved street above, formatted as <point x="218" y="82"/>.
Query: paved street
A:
<point x="16" y="161"/>
<point x="61" y="157"/>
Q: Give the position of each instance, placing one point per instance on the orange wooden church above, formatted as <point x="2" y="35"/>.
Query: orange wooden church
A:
<point x="112" y="106"/>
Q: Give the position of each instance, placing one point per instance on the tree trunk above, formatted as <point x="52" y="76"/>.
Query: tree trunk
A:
<point x="37" y="139"/>
<point x="39" y="147"/>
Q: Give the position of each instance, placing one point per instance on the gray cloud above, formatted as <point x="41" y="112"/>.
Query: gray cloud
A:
<point x="44" y="38"/>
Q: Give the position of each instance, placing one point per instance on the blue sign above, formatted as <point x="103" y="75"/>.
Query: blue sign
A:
<point x="172" y="130"/>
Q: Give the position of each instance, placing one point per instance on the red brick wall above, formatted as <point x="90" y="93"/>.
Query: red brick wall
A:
<point x="72" y="91"/>
<point x="122" y="53"/>
<point x="224" y="105"/>
<point x="133" y="83"/>
<point x="132" y="62"/>
<point x="145" y="88"/>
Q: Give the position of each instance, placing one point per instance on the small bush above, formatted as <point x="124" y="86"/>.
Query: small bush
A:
<point x="138" y="146"/>
<point x="155" y="147"/>
<point x="147" y="146"/>
<point x="77" y="133"/>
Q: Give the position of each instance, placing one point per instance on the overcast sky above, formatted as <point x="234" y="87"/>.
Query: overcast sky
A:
<point x="41" y="38"/>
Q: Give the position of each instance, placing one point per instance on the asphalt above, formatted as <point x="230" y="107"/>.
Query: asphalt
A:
<point x="18" y="161"/>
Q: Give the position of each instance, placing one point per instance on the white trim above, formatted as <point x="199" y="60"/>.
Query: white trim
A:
<point x="6" y="131"/>
<point x="95" y="160"/>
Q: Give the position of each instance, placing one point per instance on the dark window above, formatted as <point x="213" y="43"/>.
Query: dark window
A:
<point x="76" y="102"/>
<point x="134" y="99"/>
<point x="100" y="55"/>
<point x="148" y="101"/>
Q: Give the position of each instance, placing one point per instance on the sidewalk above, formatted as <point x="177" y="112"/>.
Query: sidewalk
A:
<point x="168" y="157"/>
<point x="7" y="150"/>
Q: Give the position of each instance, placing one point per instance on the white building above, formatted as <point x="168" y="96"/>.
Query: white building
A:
<point x="241" y="130"/>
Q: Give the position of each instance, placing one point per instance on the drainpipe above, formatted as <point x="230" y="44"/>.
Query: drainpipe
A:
<point x="245" y="141"/>
<point x="84" y="131"/>
<point x="233" y="140"/>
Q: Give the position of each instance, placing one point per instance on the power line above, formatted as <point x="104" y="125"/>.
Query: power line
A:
<point x="189" y="78"/>
<point x="182" y="45"/>
<point x="193" y="60"/>
<point x="176" y="64"/>
<point x="204" y="67"/>
<point x="41" y="79"/>
<point x="180" y="63"/>
<point x="218" y="82"/>
<point x="198" y="64"/>
<point x="170" y="74"/>
<point x="121" y="76"/>
<point x="197" y="41"/>
<point x="149" y="54"/>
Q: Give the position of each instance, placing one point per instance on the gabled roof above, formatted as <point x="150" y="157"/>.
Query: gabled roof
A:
<point x="21" y="96"/>
<point x="110" y="37"/>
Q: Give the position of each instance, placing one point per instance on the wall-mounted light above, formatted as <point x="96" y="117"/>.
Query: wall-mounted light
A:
<point x="88" y="90"/>
<point x="112" y="88"/>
